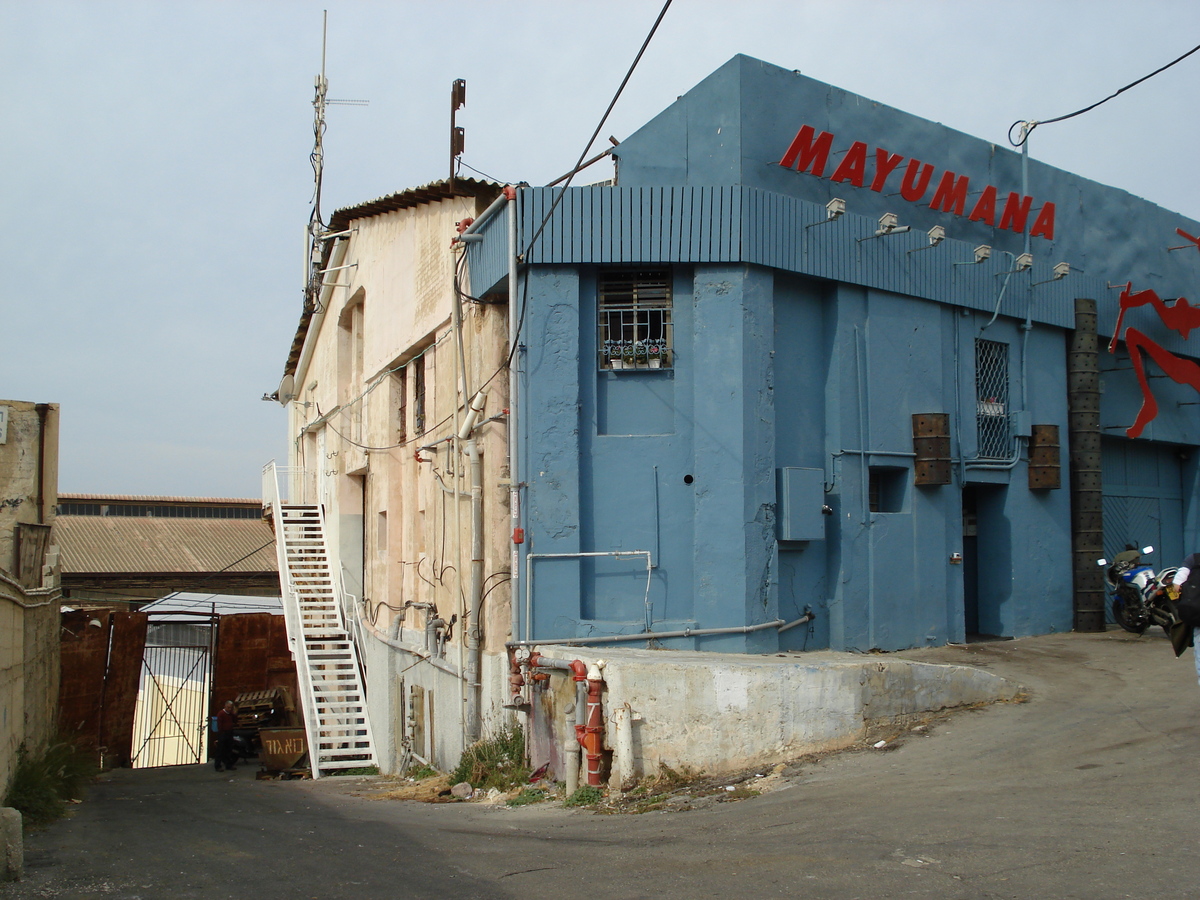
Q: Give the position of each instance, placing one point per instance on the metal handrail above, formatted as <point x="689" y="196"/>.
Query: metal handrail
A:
<point x="291" y="613"/>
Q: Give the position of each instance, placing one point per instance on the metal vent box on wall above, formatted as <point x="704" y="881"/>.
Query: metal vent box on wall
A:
<point x="800" y="497"/>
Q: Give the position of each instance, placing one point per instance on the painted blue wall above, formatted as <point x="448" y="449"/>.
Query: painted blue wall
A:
<point x="807" y="345"/>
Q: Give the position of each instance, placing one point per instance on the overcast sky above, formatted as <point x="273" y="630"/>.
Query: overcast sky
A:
<point x="156" y="183"/>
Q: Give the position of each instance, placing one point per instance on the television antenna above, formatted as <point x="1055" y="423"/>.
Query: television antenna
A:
<point x="315" y="234"/>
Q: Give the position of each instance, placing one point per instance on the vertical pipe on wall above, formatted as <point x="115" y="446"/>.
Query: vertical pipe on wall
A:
<point x="1087" y="496"/>
<point x="474" y="717"/>
<point x="514" y="479"/>
<point x="864" y="435"/>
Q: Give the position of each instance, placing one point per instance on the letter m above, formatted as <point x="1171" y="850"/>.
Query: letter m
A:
<point x="808" y="152"/>
<point x="951" y="194"/>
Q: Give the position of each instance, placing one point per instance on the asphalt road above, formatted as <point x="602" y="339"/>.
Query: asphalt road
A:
<point x="1086" y="791"/>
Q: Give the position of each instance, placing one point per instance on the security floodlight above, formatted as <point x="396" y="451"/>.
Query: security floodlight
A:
<point x="1024" y="261"/>
<point x="834" y="210"/>
<point x="983" y="252"/>
<point x="1061" y="270"/>
<point x="887" y="226"/>
<point x="936" y="235"/>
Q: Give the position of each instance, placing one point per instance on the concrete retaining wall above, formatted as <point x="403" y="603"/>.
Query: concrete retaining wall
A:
<point x="718" y="712"/>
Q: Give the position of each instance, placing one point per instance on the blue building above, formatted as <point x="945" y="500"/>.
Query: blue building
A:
<point x="809" y="352"/>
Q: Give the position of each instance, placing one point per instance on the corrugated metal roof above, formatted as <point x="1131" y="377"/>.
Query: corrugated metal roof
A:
<point x="111" y="544"/>
<point x="429" y="193"/>
<point x="138" y="498"/>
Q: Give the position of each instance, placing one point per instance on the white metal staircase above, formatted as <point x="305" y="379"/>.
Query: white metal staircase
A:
<point x="327" y="665"/>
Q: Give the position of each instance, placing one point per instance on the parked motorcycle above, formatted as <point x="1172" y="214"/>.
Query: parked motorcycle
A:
<point x="1139" y="595"/>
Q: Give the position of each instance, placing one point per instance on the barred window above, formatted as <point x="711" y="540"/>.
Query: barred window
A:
<point x="634" y="320"/>
<point x="991" y="403"/>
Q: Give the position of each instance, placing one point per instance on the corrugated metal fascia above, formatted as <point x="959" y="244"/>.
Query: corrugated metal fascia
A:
<point x="113" y="544"/>
<point x="487" y="260"/>
<point x="687" y="224"/>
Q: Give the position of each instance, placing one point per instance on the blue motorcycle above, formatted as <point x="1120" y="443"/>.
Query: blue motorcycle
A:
<point x="1139" y="594"/>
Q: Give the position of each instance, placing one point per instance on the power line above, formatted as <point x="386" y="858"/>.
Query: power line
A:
<point x="1032" y="124"/>
<point x="592" y="140"/>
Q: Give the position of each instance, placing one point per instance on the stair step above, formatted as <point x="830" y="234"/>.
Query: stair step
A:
<point x="332" y="679"/>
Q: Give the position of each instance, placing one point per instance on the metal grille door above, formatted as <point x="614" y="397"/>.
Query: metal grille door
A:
<point x="170" y="725"/>
<point x="991" y="390"/>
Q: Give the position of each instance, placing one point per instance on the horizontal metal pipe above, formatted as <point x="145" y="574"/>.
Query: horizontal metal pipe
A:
<point x="497" y="205"/>
<point x="652" y="635"/>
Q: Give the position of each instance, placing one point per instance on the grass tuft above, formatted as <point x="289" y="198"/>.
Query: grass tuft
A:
<point x="495" y="762"/>
<point x="43" y="784"/>
<point x="588" y="795"/>
<point x="528" y="796"/>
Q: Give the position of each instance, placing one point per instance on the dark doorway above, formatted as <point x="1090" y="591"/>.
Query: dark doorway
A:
<point x="987" y="562"/>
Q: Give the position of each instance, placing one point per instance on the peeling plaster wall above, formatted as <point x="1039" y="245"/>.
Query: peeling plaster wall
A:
<point x="398" y="516"/>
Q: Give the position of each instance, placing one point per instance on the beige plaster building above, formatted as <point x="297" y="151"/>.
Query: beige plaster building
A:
<point x="379" y="383"/>
<point x="29" y="592"/>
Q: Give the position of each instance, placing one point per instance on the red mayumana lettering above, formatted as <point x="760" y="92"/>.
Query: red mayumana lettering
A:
<point x="809" y="152"/>
<point x="951" y="193"/>
<point x="985" y="207"/>
<point x="854" y="167"/>
<point x="1016" y="211"/>
<point x="913" y="188"/>
<point x="1043" y="225"/>
<point x="885" y="164"/>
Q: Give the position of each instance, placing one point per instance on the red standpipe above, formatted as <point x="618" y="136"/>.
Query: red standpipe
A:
<point x="593" y="737"/>
<point x="590" y="735"/>
<point x="516" y="681"/>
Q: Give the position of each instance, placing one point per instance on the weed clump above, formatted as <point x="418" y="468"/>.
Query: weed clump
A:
<point x="588" y="795"/>
<point x="42" y="785"/>
<point x="495" y="762"/>
<point x="528" y="796"/>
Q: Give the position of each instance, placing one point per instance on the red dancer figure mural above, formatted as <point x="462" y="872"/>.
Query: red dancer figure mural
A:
<point x="1181" y="317"/>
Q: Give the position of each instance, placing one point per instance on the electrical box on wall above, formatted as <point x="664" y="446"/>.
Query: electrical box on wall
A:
<point x="800" y="500"/>
<point x="3" y="424"/>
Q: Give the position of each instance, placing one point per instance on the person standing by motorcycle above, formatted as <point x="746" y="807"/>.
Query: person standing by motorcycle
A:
<point x="226" y="720"/>
<point x="1184" y="590"/>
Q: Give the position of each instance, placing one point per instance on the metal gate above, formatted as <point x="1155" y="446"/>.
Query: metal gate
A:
<point x="170" y="725"/>
<point x="1143" y="500"/>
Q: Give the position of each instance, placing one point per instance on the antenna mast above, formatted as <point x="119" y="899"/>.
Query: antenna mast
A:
<point x="312" y="245"/>
<point x="315" y="233"/>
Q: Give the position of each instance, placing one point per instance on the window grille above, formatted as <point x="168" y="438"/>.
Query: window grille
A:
<point x="991" y="399"/>
<point x="634" y="320"/>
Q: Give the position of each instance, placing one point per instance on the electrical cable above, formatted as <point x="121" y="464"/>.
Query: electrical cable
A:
<point x="484" y="174"/>
<point x="211" y="575"/>
<point x="558" y="197"/>
<point x="596" y="133"/>
<point x="1035" y="123"/>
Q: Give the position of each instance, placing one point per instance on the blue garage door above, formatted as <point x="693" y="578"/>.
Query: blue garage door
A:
<point x="1143" y="499"/>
